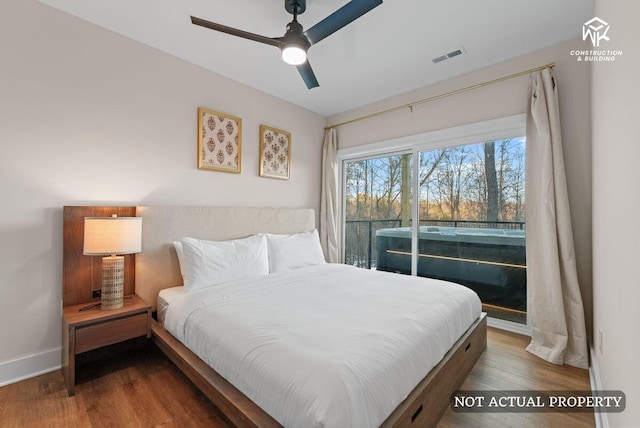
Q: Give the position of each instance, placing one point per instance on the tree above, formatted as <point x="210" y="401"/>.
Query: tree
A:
<point x="405" y="197"/>
<point x="492" y="181"/>
<point x="450" y="181"/>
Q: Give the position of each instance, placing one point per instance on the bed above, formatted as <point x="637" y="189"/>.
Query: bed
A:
<point x="354" y="355"/>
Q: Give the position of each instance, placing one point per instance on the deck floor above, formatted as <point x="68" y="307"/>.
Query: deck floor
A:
<point x="506" y="314"/>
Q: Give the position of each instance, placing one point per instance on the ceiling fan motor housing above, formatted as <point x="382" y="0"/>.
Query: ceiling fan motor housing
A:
<point x="295" y="6"/>
<point x="294" y="35"/>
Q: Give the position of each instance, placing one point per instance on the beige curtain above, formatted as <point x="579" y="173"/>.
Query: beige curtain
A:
<point x="329" y="198"/>
<point x="554" y="301"/>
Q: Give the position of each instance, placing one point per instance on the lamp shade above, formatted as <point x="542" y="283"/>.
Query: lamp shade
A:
<point x="105" y="236"/>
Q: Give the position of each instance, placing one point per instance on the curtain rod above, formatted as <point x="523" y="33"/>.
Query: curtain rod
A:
<point x="437" y="97"/>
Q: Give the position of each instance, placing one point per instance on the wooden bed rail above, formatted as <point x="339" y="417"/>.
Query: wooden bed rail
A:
<point x="424" y="406"/>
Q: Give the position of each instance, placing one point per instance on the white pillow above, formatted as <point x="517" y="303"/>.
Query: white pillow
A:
<point x="180" y="252"/>
<point x="288" y="252"/>
<point x="208" y="263"/>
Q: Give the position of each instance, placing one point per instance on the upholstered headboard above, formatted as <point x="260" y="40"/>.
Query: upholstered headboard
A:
<point x="157" y="265"/>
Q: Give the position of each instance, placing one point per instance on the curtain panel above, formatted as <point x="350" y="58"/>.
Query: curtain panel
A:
<point x="329" y="198"/>
<point x="554" y="301"/>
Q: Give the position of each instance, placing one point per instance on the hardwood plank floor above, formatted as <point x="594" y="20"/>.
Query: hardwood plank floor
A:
<point x="142" y="388"/>
<point x="505" y="365"/>
<point x="134" y="388"/>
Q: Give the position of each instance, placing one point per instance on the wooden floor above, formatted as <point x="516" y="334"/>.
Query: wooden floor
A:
<point x="141" y="388"/>
<point x="505" y="365"/>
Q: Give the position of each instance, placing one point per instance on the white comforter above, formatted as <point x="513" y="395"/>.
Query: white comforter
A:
<point x="324" y="346"/>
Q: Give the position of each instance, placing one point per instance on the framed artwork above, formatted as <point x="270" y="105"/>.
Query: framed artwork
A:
<point x="219" y="141"/>
<point x="275" y="153"/>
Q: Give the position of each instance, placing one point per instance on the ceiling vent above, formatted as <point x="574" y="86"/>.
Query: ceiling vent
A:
<point x="449" y="55"/>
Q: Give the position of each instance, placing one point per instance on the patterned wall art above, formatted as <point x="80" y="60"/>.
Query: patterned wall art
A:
<point x="219" y="141"/>
<point x="275" y="153"/>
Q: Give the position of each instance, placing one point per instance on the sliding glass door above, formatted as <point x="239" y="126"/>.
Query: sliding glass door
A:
<point x="469" y="211"/>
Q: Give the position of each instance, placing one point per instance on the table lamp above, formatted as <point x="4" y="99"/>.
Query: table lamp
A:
<point x="112" y="237"/>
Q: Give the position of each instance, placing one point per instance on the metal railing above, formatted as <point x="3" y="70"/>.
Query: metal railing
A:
<point x="360" y="235"/>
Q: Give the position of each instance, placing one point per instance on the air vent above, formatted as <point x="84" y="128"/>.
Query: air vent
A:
<point x="448" y="55"/>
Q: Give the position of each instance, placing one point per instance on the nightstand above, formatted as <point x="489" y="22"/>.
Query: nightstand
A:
<point x="94" y="328"/>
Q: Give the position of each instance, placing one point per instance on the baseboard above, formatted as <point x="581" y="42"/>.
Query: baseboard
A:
<point x="30" y="366"/>
<point x="596" y="385"/>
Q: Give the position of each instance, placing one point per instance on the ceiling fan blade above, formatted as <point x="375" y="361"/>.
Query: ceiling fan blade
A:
<point x="274" y="41"/>
<point x="306" y="72"/>
<point x="341" y="17"/>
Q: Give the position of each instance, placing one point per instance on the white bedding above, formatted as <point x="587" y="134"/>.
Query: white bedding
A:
<point x="165" y="297"/>
<point x="323" y="346"/>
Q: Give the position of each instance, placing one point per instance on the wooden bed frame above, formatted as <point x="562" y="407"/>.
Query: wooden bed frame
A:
<point x="157" y="268"/>
<point x="424" y="406"/>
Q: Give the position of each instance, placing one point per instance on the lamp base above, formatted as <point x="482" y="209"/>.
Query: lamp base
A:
<point x="112" y="283"/>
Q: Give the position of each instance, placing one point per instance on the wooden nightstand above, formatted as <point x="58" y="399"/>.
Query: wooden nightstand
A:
<point x="94" y="328"/>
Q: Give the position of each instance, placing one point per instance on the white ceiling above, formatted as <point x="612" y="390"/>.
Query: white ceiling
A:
<point x="386" y="52"/>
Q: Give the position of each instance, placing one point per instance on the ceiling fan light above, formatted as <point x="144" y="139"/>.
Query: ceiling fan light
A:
<point x="294" y="54"/>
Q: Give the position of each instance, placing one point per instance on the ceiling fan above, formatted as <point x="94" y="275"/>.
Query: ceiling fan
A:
<point x="296" y="42"/>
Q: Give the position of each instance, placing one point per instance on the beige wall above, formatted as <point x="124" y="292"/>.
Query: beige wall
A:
<point x="616" y="204"/>
<point x="90" y="117"/>
<point x="502" y="99"/>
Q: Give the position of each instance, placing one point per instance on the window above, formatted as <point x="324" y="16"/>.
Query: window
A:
<point x="469" y="206"/>
<point x="377" y="197"/>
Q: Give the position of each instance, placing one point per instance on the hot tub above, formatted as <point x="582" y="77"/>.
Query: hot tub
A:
<point x="492" y="262"/>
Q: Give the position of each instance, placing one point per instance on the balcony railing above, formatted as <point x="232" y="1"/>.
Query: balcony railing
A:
<point x="360" y="235"/>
